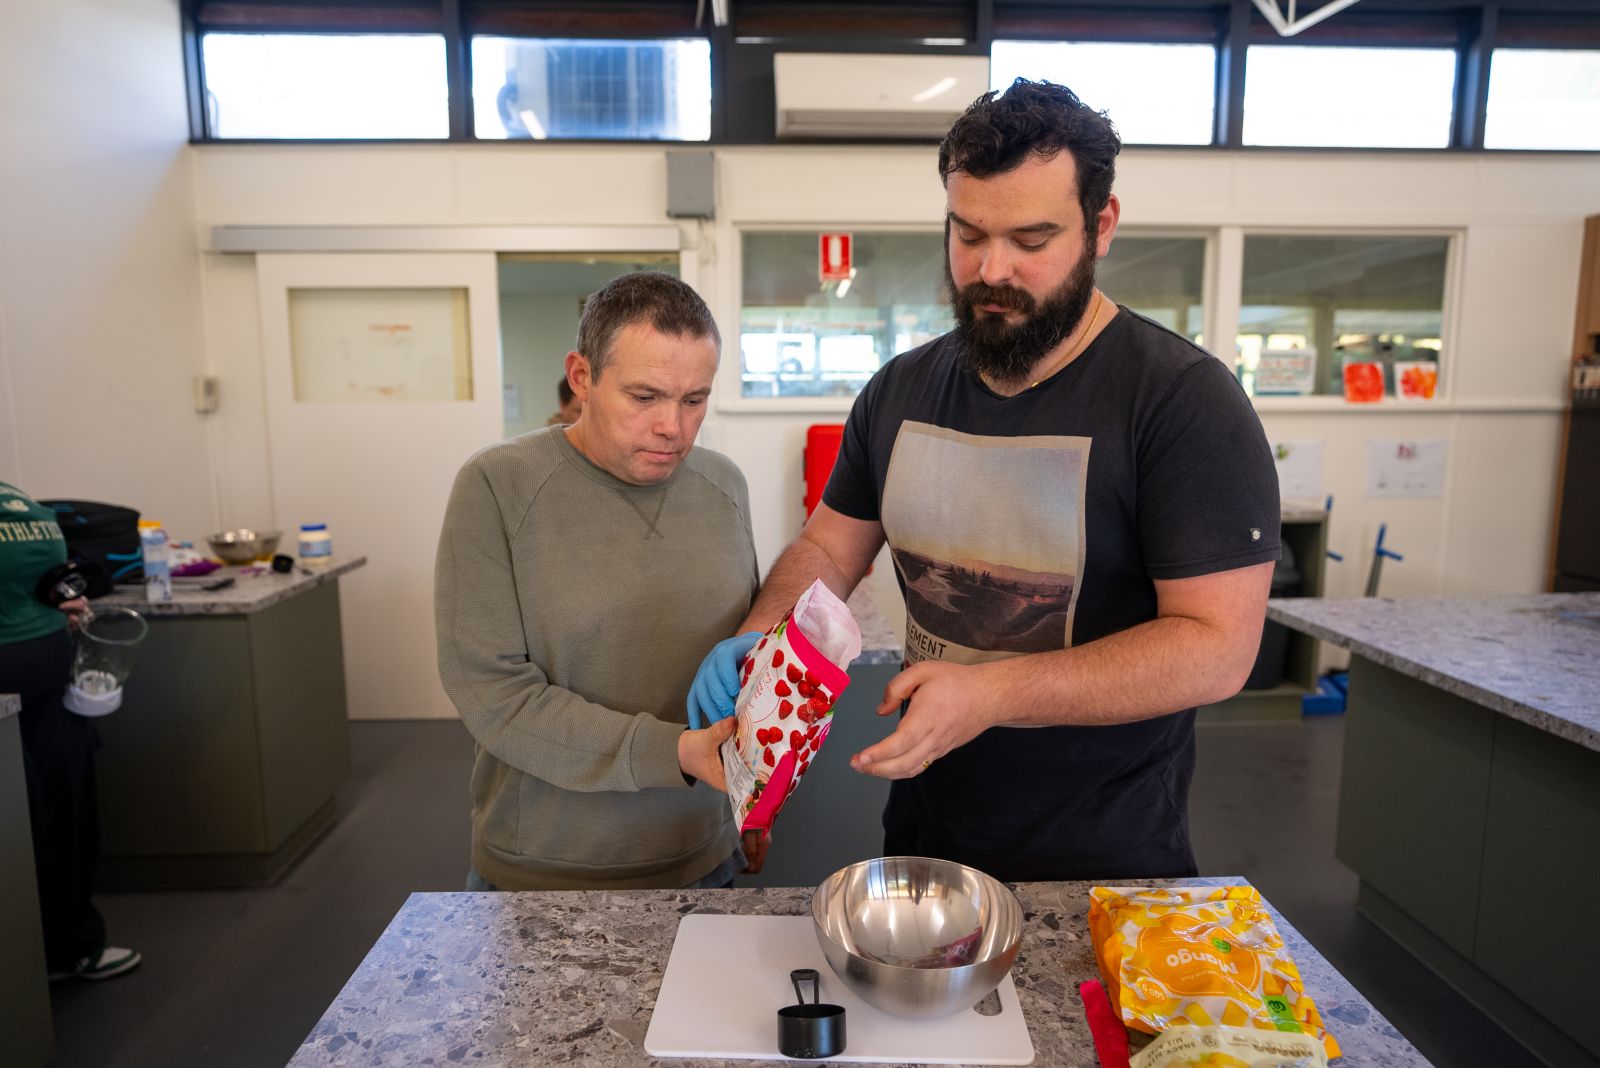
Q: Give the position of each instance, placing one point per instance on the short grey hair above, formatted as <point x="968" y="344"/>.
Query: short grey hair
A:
<point x="666" y="303"/>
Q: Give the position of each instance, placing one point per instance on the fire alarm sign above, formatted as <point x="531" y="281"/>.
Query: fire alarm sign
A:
<point x="833" y="257"/>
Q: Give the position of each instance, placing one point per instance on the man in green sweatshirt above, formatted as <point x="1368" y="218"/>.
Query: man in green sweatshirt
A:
<point x="582" y="574"/>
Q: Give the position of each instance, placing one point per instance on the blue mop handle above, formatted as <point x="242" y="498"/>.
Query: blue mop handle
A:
<point x="1327" y="506"/>
<point x="1383" y="529"/>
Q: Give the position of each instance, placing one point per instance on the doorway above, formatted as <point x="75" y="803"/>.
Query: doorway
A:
<point x="541" y="299"/>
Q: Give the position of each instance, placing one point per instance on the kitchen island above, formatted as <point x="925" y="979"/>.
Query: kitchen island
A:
<point x="571" y="977"/>
<point x="1470" y="795"/>
<point x="221" y="766"/>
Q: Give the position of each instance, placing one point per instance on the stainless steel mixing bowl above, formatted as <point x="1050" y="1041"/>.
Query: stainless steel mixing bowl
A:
<point x="243" y="546"/>
<point x="915" y="937"/>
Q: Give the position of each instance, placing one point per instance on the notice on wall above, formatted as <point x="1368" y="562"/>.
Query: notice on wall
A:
<point x="380" y="345"/>
<point x="1405" y="468"/>
<point x="511" y="394"/>
<point x="1299" y="470"/>
<point x="833" y="258"/>
<point x="1286" y="372"/>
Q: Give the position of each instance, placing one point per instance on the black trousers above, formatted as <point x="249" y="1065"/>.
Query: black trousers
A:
<point x="58" y="761"/>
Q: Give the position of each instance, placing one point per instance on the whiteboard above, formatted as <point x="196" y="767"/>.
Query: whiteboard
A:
<point x="380" y="345"/>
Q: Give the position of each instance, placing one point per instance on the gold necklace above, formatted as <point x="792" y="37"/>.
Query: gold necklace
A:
<point x="1082" y="338"/>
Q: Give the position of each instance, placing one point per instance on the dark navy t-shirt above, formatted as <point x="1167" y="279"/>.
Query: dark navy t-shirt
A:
<point x="1036" y="522"/>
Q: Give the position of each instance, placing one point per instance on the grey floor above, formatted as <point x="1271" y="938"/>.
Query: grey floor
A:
<point x="238" y="977"/>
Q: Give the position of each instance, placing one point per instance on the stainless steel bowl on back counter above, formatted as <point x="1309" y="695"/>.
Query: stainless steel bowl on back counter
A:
<point x="243" y="545"/>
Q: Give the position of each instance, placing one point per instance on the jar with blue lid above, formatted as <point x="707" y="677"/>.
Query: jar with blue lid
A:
<point x="316" y="545"/>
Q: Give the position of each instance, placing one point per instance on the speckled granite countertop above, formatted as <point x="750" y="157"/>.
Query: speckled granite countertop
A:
<point x="254" y="589"/>
<point x="545" y="978"/>
<point x="879" y="644"/>
<point x="1534" y="657"/>
<point x="10" y="704"/>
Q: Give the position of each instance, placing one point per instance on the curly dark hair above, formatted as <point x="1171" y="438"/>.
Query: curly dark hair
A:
<point x="1002" y="129"/>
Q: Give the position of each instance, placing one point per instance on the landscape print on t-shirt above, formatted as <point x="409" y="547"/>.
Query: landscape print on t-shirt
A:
<point x="987" y="534"/>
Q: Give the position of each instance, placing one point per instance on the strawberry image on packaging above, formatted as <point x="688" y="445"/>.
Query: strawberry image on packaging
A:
<point x="788" y="687"/>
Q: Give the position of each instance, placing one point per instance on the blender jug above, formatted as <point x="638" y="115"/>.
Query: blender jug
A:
<point x="108" y="641"/>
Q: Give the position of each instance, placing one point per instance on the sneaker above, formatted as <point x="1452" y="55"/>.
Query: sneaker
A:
<point x="112" y="961"/>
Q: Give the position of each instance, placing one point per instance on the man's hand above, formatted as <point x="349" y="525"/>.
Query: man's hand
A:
<point x="698" y="756"/>
<point x="716" y="684"/>
<point x="755" y="845"/>
<point x="950" y="704"/>
<point x="74" y="608"/>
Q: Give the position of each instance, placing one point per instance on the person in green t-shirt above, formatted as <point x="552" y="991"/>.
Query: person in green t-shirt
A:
<point x="30" y="545"/>
<point x="57" y="746"/>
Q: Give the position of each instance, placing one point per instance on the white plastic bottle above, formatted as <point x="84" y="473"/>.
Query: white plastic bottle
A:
<point x="316" y="545"/>
<point x="157" y="561"/>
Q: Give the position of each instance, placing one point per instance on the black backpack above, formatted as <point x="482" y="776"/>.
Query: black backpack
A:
<point x="104" y="538"/>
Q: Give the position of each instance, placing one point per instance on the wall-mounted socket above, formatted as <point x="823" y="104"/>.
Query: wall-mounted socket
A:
<point x="205" y="393"/>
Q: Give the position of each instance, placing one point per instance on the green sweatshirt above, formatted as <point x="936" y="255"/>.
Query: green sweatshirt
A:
<point x="572" y="610"/>
<point x="30" y="545"/>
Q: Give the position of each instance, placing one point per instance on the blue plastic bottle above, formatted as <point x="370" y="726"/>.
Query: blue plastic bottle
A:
<point x="157" y="562"/>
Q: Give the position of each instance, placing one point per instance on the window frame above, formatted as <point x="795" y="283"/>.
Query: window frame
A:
<point x="1231" y="289"/>
<point x="1451" y="124"/>
<point x="743" y="58"/>
<point x="1217" y="103"/>
<point x="730" y="392"/>
<point x="472" y="117"/>
<point x="202" y="92"/>
<point x="1591" y="46"/>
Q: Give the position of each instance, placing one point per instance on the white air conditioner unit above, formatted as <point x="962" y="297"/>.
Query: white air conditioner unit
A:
<point x="843" y="95"/>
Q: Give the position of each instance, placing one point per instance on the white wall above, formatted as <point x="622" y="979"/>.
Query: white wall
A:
<point x="100" y="301"/>
<point x="1520" y="220"/>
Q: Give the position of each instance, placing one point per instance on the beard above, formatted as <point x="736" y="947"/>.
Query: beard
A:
<point x="988" y="346"/>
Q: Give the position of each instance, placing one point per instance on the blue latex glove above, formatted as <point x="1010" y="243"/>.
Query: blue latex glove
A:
<point x="716" y="684"/>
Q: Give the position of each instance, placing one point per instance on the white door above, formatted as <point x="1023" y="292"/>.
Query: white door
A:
<point x="382" y="377"/>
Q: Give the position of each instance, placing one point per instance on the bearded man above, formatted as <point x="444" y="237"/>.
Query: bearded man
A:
<point x="1083" y="514"/>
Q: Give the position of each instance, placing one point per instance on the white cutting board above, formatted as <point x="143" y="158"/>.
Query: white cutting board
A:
<point x="729" y="975"/>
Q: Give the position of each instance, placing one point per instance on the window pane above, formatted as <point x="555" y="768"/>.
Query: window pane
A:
<point x="1348" y="97"/>
<point x="1162" y="277"/>
<point x="1157" y="94"/>
<point x="1543" y="99"/>
<point x="1313" y="304"/>
<point x="799" y="337"/>
<point x="628" y="90"/>
<point x="316" y="85"/>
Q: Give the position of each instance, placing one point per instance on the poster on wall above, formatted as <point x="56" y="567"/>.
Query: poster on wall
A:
<point x="1286" y="372"/>
<point x="1299" y="471"/>
<point x="1405" y="468"/>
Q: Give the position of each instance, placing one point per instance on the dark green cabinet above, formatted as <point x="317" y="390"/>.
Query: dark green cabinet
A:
<point x="223" y="762"/>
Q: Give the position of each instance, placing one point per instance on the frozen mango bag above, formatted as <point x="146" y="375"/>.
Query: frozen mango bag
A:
<point x="789" y="684"/>
<point x="1209" y="959"/>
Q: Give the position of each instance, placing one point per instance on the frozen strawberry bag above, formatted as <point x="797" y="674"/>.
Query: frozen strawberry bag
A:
<point x="790" y="682"/>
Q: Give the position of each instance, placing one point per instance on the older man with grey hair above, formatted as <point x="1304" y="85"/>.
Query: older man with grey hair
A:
<point x="583" y="571"/>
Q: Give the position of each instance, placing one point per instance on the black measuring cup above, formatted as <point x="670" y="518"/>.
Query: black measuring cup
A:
<point x="810" y="1031"/>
